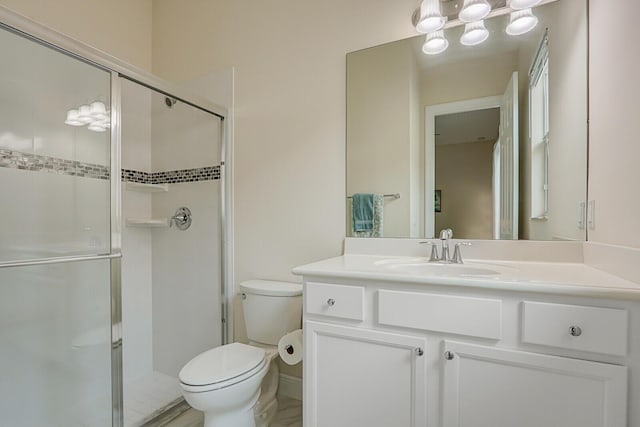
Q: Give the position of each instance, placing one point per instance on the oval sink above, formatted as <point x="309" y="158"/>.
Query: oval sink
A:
<point x="423" y="266"/>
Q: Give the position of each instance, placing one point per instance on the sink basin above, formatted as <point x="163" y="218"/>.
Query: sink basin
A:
<point x="423" y="266"/>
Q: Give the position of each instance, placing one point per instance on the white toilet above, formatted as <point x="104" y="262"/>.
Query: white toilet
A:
<point x="235" y="385"/>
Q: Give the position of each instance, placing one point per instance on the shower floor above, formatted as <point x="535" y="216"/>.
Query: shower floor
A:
<point x="147" y="396"/>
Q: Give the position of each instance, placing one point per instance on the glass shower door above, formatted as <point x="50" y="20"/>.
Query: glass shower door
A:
<point x="55" y="238"/>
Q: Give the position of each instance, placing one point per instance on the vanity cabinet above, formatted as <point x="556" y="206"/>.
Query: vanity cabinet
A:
<point x="488" y="386"/>
<point x="380" y="354"/>
<point x="363" y="377"/>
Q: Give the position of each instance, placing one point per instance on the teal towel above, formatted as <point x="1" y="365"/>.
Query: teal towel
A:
<point x="363" y="211"/>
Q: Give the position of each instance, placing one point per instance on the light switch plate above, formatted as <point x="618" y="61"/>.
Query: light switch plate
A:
<point x="591" y="214"/>
<point x="582" y="213"/>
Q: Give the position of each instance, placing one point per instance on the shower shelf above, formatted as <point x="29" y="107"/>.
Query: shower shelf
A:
<point x="147" y="222"/>
<point x="147" y="188"/>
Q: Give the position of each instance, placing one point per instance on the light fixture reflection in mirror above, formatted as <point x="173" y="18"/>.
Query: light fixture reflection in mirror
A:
<point x="435" y="43"/>
<point x="391" y="89"/>
<point x="474" y="10"/>
<point x="430" y="17"/>
<point x="474" y="33"/>
<point x="521" y="22"/>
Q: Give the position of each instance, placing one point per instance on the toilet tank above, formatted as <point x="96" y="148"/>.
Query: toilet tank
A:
<point x="271" y="309"/>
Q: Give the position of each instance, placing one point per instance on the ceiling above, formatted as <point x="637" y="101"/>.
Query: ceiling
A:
<point x="470" y="126"/>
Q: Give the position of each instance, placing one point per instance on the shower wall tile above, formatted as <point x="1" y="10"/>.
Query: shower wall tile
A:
<point x="37" y="163"/>
<point x="207" y="173"/>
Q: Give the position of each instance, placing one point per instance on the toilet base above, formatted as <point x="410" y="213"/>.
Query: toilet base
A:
<point x="265" y="409"/>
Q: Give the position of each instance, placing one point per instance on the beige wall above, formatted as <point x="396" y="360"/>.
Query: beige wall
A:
<point x="290" y="104"/>
<point x="289" y="59"/>
<point x="568" y="123"/>
<point x="464" y="174"/>
<point x="614" y="148"/>
<point x="121" y="28"/>
<point x="379" y="154"/>
<point x="468" y="79"/>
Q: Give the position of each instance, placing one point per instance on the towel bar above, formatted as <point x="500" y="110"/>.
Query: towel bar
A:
<point x="394" y="196"/>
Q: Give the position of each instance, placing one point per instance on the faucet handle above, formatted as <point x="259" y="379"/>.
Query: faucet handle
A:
<point x="457" y="253"/>
<point x="446" y="233"/>
<point x="434" y="250"/>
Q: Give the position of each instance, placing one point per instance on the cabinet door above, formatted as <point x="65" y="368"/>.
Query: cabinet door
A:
<point x="362" y="378"/>
<point x="486" y="386"/>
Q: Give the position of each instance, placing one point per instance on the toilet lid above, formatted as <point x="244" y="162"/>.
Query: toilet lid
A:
<point x="271" y="288"/>
<point x="221" y="364"/>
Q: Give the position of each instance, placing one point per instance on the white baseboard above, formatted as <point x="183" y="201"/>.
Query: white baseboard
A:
<point x="290" y="386"/>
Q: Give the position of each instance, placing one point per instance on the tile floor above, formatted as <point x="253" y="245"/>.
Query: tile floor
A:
<point x="289" y="415"/>
<point x="148" y="394"/>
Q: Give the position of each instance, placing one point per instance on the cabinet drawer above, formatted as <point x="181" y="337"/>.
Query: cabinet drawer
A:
<point x="574" y="327"/>
<point x="476" y="317"/>
<point x="345" y="302"/>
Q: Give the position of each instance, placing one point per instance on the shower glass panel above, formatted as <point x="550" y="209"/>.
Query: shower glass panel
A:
<point x="171" y="278"/>
<point x="55" y="356"/>
<point x="54" y="176"/>
<point x="55" y="307"/>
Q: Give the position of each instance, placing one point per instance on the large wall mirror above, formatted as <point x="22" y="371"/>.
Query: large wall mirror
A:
<point x="488" y="140"/>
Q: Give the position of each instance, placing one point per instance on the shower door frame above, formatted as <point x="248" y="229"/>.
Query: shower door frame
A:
<point x="34" y="31"/>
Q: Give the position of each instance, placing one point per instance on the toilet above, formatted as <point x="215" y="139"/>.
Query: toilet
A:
<point x="235" y="385"/>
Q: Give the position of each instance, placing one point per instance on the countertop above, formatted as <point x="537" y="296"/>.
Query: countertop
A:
<point x="563" y="278"/>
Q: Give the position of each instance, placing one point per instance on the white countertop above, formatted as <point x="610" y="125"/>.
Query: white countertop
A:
<point x="563" y="278"/>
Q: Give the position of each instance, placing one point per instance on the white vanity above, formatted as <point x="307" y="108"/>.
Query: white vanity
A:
<point x="398" y="341"/>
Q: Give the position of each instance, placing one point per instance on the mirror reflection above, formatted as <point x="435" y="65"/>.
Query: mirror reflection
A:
<point x="488" y="140"/>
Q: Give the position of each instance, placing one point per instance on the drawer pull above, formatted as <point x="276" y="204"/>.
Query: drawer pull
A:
<point x="448" y="355"/>
<point x="419" y="351"/>
<point x="575" y="331"/>
<point x="331" y="302"/>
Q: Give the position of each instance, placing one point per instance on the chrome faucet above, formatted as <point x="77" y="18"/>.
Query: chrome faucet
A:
<point x="445" y="254"/>
<point x="445" y="235"/>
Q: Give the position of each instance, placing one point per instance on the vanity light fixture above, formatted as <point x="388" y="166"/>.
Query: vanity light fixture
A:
<point x="98" y="126"/>
<point x="474" y="10"/>
<point x="431" y="18"/>
<point x="84" y="114"/>
<point x="474" y="33"/>
<point x="98" y="111"/>
<point x="522" y="21"/>
<point x="94" y="115"/>
<point x="522" y="4"/>
<point x="73" y="119"/>
<point x="435" y="43"/>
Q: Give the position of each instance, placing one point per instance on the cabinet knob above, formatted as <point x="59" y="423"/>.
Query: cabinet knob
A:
<point x="575" y="331"/>
<point x="331" y="302"/>
<point x="419" y="351"/>
<point x="448" y="355"/>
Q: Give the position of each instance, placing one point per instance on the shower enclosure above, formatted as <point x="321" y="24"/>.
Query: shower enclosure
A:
<point x="111" y="246"/>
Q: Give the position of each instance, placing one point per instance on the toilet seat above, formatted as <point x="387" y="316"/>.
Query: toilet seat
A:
<point x="222" y="367"/>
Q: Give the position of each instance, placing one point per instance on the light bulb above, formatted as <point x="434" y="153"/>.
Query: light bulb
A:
<point x="474" y="10"/>
<point x="474" y="33"/>
<point x="521" y="21"/>
<point x="97" y="110"/>
<point x="72" y="119"/>
<point x="84" y="114"/>
<point x="97" y="127"/>
<point x="522" y="4"/>
<point x="430" y="17"/>
<point x="435" y="43"/>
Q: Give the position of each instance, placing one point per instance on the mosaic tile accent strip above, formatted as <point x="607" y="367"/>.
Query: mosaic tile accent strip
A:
<point x="207" y="173"/>
<point x="37" y="163"/>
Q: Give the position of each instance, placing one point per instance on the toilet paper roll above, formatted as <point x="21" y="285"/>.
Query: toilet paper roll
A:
<point x="290" y="347"/>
